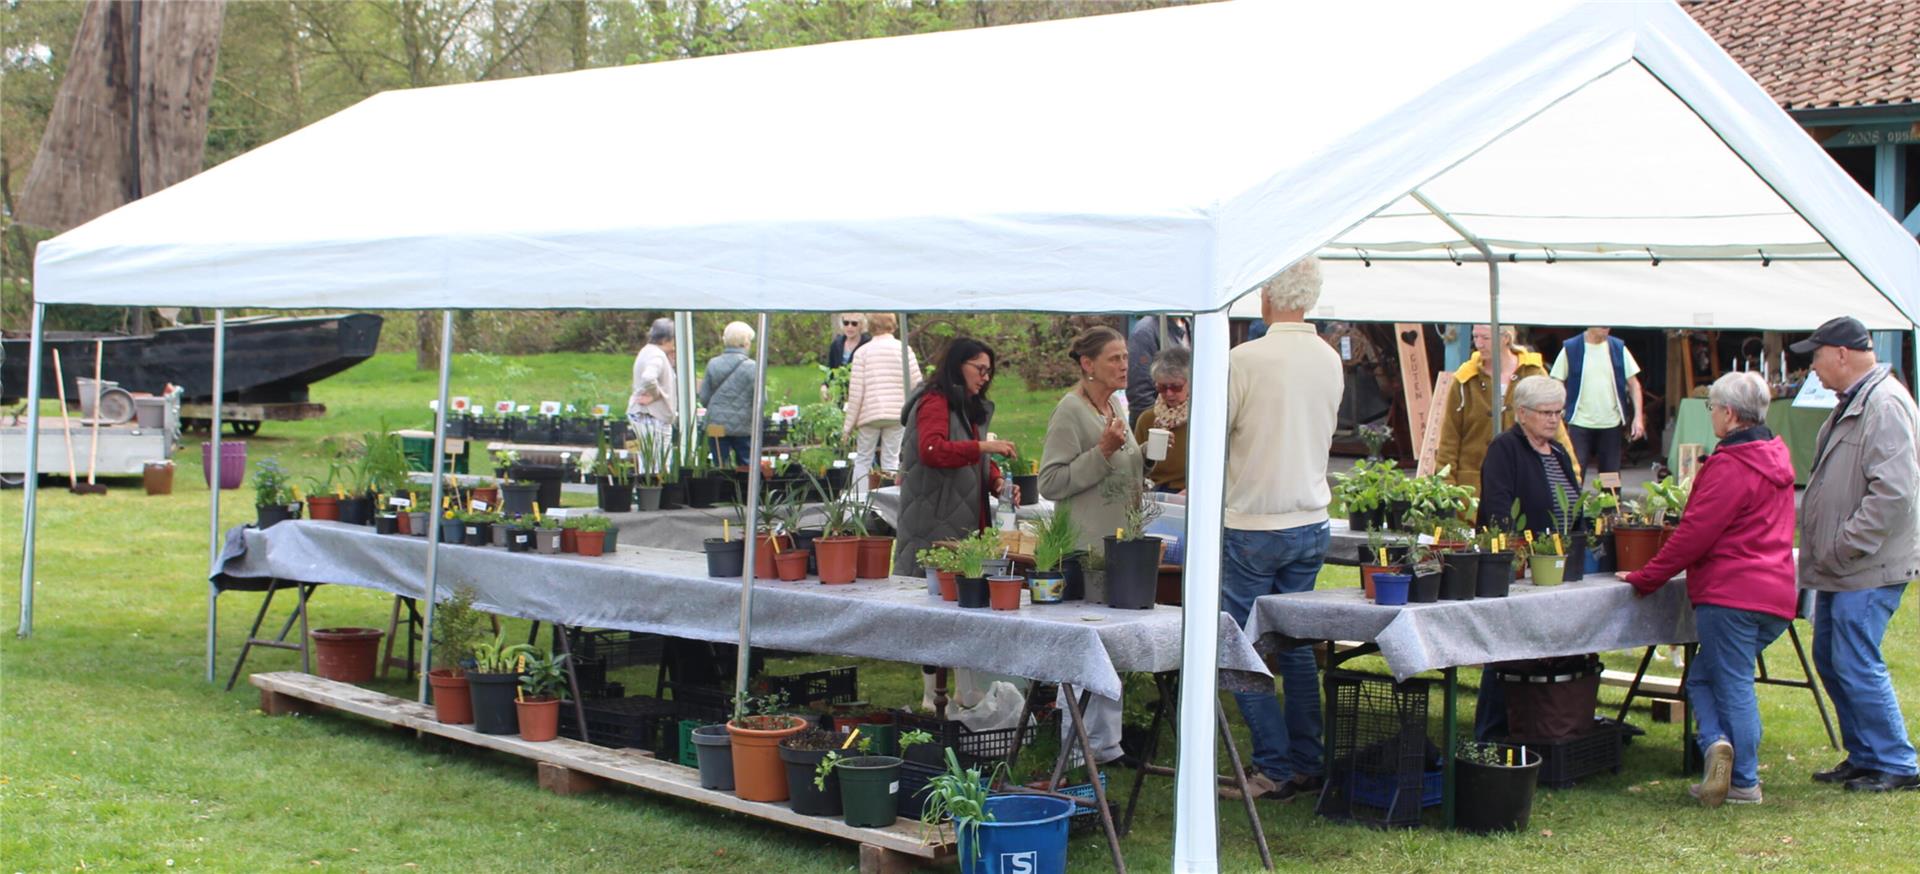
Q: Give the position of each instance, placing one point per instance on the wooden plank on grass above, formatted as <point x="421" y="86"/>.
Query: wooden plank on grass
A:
<point x="1650" y="685"/>
<point x="632" y="767"/>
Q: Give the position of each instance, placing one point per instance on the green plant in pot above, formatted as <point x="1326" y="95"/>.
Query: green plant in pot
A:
<point x="837" y="548"/>
<point x="274" y="496"/>
<point x="866" y="783"/>
<point x="590" y="532"/>
<point x="958" y="796"/>
<point x="612" y="472"/>
<point x="495" y="683"/>
<point x="517" y="495"/>
<point x="1132" y="558"/>
<point x="458" y="629"/>
<point x="942" y="567"/>
<point x="543" y="684"/>
<point x="971" y="556"/>
<point x="757" y="727"/>
<point x="654" y="453"/>
<point x="1494" y="785"/>
<point x="1055" y="538"/>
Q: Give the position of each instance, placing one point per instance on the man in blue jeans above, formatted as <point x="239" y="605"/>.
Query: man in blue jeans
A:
<point x="1859" y="547"/>
<point x="1283" y="396"/>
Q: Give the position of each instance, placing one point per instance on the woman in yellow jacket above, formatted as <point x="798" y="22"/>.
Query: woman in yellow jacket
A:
<point x="1468" y="426"/>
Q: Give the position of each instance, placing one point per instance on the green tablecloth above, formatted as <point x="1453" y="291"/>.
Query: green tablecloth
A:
<point x="1799" y="426"/>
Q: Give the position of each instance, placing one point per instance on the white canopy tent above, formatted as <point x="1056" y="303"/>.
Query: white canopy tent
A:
<point x="1150" y="162"/>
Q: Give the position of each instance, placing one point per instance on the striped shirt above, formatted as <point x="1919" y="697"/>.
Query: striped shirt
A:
<point x="1560" y="484"/>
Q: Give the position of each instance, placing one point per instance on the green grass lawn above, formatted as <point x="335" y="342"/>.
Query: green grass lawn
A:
<point x="116" y="755"/>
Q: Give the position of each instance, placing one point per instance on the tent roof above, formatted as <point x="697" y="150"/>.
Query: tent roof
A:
<point x="1164" y="160"/>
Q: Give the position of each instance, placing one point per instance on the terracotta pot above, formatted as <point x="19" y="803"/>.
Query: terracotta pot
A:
<point x="403" y="523"/>
<point x="763" y="556"/>
<point x="323" y="507"/>
<point x="1634" y="547"/>
<point x="569" y="540"/>
<point x="592" y="542"/>
<point x="489" y="496"/>
<point x="539" y="718"/>
<point x="157" y="476"/>
<point x="1003" y="593"/>
<point x="452" y="699"/>
<point x="791" y="565"/>
<point x="758" y="774"/>
<point x="876" y="558"/>
<point x="347" y="654"/>
<point x="838" y="558"/>
<point x="949" y="586"/>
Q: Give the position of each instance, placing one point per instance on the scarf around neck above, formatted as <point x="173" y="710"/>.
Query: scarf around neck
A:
<point x="1168" y="416"/>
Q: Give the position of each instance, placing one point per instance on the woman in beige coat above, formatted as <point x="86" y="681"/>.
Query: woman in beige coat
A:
<point x="1090" y="459"/>
<point x="875" y="395"/>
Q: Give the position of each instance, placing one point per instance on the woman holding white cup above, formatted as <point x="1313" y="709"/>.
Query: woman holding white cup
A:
<point x="1162" y="430"/>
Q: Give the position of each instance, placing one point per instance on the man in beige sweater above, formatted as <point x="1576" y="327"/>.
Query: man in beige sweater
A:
<point x="1283" y="394"/>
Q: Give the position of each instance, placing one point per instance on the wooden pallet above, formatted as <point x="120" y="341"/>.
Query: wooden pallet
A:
<point x="570" y="766"/>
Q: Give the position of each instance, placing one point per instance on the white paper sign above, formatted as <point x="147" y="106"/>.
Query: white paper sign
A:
<point x="549" y="408"/>
<point x="555" y="513"/>
<point x="600" y="410"/>
<point x="482" y="506"/>
<point x="788" y="413"/>
<point x="503" y="407"/>
<point x="459" y="403"/>
<point x="523" y="408"/>
<point x="1815" y="396"/>
<point x="399" y="502"/>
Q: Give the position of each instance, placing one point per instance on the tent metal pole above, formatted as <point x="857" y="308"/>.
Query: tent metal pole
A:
<point x="1195" y="826"/>
<point x="906" y="371"/>
<point x="439" y="494"/>
<point x="683" y="349"/>
<point x="30" y="482"/>
<point x="1494" y="350"/>
<point x="753" y="516"/>
<point x="213" y="477"/>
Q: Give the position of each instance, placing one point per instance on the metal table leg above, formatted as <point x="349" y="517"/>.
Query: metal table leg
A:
<point x="1075" y="710"/>
<point x="1246" y="793"/>
<point x="1451" y="723"/>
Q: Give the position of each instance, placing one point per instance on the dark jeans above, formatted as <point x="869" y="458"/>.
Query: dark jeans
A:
<point x="1597" y="449"/>
<point x="1286" y="743"/>
<point x="737" y="448"/>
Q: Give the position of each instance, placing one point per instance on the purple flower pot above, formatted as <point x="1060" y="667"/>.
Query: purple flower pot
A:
<point x="233" y="463"/>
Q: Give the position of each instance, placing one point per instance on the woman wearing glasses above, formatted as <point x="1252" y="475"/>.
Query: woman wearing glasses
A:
<point x="1172" y="369"/>
<point x="849" y="336"/>
<point x="945" y="474"/>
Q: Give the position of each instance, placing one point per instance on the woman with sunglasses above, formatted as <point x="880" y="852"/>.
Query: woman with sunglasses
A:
<point x="849" y="336"/>
<point x="946" y="477"/>
<point x="1172" y="369"/>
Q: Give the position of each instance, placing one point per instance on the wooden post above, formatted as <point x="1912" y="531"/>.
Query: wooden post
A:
<point x="880" y="860"/>
<point x="1415" y="375"/>
<point x="1435" y="419"/>
<point x="278" y="704"/>
<point x="561" y="780"/>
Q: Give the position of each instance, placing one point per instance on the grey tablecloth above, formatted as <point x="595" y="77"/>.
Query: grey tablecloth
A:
<point x="684" y="530"/>
<point x="668" y="592"/>
<point x="1592" y="615"/>
<point x="886" y="503"/>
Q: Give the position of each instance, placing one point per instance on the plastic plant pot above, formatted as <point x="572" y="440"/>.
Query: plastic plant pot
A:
<point x="868" y="785"/>
<point x="1426" y="587"/>
<point x="1460" y="575"/>
<point x="274" y="514"/>
<point x="949" y="586"/>
<point x="725" y="558"/>
<point x="477" y="534"/>
<point x="323" y="508"/>
<point x="1003" y="592"/>
<point x="838" y="558"/>
<point x="1390" y="590"/>
<point x="546" y="541"/>
<point x="452" y="701"/>
<point x="647" y="498"/>
<point x="791" y="565"/>
<point x="758" y="774"/>
<point x="713" y="747"/>
<point x="386" y="523"/>
<point x="804" y="797"/>
<point x="1047" y="587"/>
<point x="539" y="719"/>
<point x="1634" y="547"/>
<point x="1496" y="575"/>
<point x="1495" y="798"/>
<point x="876" y="558"/>
<point x="1133" y="573"/>
<point x="1027" y="833"/>
<point x="348" y="655"/>
<point x="452" y="530"/>
<point x="493" y="710"/>
<point x="614" y="497"/>
<point x="972" y="591"/>
<point x="593" y="542"/>
<point x="1548" y="570"/>
<point x="519" y="539"/>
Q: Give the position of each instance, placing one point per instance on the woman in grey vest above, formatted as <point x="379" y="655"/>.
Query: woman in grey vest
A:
<point x="727" y="393"/>
<point x="945" y="474"/>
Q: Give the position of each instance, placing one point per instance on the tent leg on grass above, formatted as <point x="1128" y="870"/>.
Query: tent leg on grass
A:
<point x="216" y="465"/>
<point x="433" y="505"/>
<point x="1196" y="829"/>
<point x="751" y="533"/>
<point x="30" y="483"/>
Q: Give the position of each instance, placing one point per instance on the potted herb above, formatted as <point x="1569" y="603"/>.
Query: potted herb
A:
<point x="453" y="528"/>
<point x="495" y="683"/>
<point x="1378" y="557"/>
<point x="809" y="758"/>
<point x="519" y="534"/>
<point x="546" y="534"/>
<point x="457" y="629"/>
<point x="613" y="477"/>
<point x="1593" y="538"/>
<point x="1055" y="538"/>
<point x="275" y="497"/>
<point x="323" y="498"/>
<point x="972" y="555"/>
<point x="516" y="495"/>
<point x="652" y="475"/>
<point x="477" y="527"/>
<point x="1132" y="558"/>
<point x="1548" y="563"/>
<point x="591" y="533"/>
<point x="1496" y="562"/>
<point x="1363" y="492"/>
<point x="942" y="564"/>
<point x="1427" y="575"/>
<point x="757" y="727"/>
<point x="1637" y="536"/>
<point x="543" y="684"/>
<point x="836" y="550"/>
<point x="483" y="494"/>
<point x="1460" y="570"/>
<point x="868" y="795"/>
<point x="1494" y="786"/>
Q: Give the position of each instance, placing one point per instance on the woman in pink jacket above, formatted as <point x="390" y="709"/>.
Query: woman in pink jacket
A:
<point x="876" y="395"/>
<point x="1735" y="544"/>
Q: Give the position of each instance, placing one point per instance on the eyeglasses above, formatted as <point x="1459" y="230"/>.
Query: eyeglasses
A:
<point x="983" y="369"/>
<point x="851" y="323"/>
<point x="1165" y="387"/>
<point x="1555" y="412"/>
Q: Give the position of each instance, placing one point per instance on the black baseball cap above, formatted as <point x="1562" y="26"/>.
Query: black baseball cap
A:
<point x="1844" y="331"/>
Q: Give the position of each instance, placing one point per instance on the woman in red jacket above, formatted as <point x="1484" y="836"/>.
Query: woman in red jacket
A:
<point x="1735" y="544"/>
<point x="946" y="476"/>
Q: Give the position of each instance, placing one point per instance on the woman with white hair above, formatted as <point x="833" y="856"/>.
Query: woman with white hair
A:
<point x="652" y="409"/>
<point x="1735" y="545"/>
<point x="1525" y="464"/>
<point x="876" y="392"/>
<point x="727" y="393"/>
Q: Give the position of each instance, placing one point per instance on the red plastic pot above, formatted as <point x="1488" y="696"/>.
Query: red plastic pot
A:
<point x="876" y="558"/>
<point x="323" y="507"/>
<point x="949" y="586"/>
<point x="791" y="565"/>
<point x="347" y="654"/>
<point x="838" y="558"/>
<point x="1003" y="593"/>
<point x="452" y="699"/>
<point x="591" y="542"/>
<point x="539" y="718"/>
<point x="758" y="774"/>
<point x="1634" y="547"/>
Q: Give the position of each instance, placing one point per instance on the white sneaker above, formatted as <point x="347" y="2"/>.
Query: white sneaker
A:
<point x="1719" y="778"/>
<point x="1735" y="794"/>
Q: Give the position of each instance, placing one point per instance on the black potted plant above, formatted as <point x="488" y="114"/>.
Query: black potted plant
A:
<point x="613" y="478"/>
<point x="477" y="527"/>
<point x="495" y="683"/>
<point x="1494" y="786"/>
<point x="808" y="757"/>
<point x="654" y="452"/>
<point x="1132" y="558"/>
<point x="1427" y="575"/>
<point x="863" y="802"/>
<point x="727" y="554"/>
<point x="972" y="554"/>
<point x="519" y="534"/>
<point x="696" y="472"/>
<point x="274" y="496"/>
<point x="517" y="496"/>
<point x="1363" y="492"/>
<point x="1495" y="575"/>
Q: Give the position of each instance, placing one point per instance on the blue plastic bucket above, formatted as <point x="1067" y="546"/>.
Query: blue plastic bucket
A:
<point x="1028" y="835"/>
<point x="1391" y="589"/>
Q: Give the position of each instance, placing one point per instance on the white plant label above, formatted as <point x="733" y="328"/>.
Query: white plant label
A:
<point x="399" y="502"/>
<point x="839" y="464"/>
<point x="482" y="506"/>
<point x="789" y="413"/>
<point x="503" y="407"/>
<point x="623" y="455"/>
<point x="459" y="403"/>
<point x="549" y="408"/>
<point x="522" y="408"/>
<point x="601" y="410"/>
<point x="893" y="788"/>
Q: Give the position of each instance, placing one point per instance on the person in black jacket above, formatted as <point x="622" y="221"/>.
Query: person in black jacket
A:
<point x="849" y="335"/>
<point x="1525" y="462"/>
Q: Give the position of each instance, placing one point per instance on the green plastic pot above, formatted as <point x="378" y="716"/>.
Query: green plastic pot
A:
<point x="868" y="785"/>
<point x="1548" y="570"/>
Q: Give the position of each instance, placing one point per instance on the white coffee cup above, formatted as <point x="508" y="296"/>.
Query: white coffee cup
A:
<point x="1158" y="439"/>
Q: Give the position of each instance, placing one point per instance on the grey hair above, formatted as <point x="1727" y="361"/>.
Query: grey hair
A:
<point x="737" y="335"/>
<point x="1296" y="288"/>
<point x="1746" y="394"/>
<point x="1173" y="362"/>
<point x="662" y="331"/>
<point x="1539" y="392"/>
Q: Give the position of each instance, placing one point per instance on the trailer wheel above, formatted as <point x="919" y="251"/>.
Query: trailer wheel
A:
<point x="245" y="429"/>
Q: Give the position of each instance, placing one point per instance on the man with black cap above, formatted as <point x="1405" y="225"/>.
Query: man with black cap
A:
<point x="1859" y="546"/>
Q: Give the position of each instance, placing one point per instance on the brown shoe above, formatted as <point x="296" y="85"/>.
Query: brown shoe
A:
<point x="1298" y="786"/>
<point x="1258" y="786"/>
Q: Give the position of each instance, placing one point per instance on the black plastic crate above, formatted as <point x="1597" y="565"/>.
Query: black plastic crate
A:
<point x="1566" y="762"/>
<point x="619" y="649"/>
<point x="703" y="704"/>
<point x="640" y="722"/>
<point x="813" y="689"/>
<point x="969" y="747"/>
<point x="1378" y="754"/>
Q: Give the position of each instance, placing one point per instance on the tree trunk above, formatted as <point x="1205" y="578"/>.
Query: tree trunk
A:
<point x="426" y="354"/>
